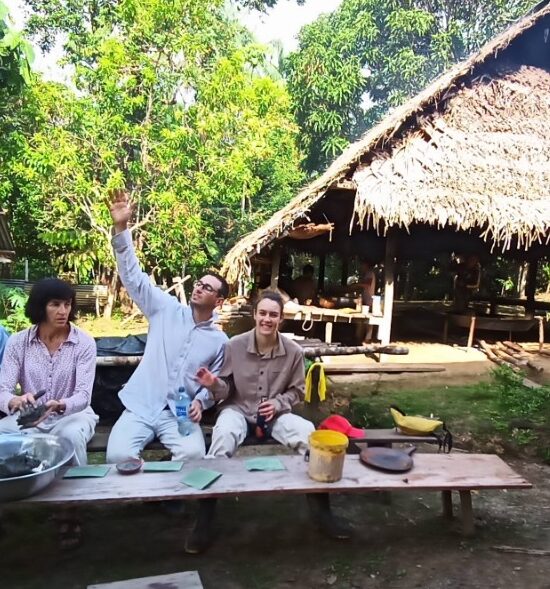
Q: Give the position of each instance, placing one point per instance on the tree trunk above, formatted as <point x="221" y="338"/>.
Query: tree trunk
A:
<point x="522" y="279"/>
<point x="111" y="295"/>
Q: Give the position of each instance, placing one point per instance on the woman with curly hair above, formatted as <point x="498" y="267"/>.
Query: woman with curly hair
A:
<point x="55" y="358"/>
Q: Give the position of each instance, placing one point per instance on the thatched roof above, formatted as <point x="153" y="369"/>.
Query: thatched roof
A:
<point x="467" y="151"/>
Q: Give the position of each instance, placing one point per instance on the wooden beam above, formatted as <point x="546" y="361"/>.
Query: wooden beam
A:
<point x="344" y="184"/>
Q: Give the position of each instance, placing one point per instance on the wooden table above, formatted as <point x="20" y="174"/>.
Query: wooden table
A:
<point x="472" y="322"/>
<point x="432" y="472"/>
<point x="310" y="315"/>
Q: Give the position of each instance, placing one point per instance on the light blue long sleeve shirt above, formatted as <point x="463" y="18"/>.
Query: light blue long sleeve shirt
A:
<point x="176" y="346"/>
<point x="4" y="336"/>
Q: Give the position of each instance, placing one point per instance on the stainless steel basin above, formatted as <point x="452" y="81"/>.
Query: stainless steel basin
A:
<point x="53" y="450"/>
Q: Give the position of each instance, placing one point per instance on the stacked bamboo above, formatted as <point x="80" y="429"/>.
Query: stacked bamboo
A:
<point x="512" y="354"/>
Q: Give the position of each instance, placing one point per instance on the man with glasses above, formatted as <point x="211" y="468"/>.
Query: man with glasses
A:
<point x="181" y="339"/>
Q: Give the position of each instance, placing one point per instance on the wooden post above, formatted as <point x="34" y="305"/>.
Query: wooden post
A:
<point x="447" y="503"/>
<point x="384" y="331"/>
<point x="275" y="266"/>
<point x="328" y="332"/>
<point x="467" y="513"/>
<point x="446" y="329"/>
<point x="531" y="285"/>
<point x="472" y="331"/>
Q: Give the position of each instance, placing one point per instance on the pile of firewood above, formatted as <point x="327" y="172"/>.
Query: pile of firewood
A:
<point x="513" y="355"/>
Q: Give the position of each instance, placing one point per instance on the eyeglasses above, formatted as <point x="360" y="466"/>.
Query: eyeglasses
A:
<point x="209" y="289"/>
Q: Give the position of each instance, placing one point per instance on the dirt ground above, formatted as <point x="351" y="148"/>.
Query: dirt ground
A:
<point x="270" y="543"/>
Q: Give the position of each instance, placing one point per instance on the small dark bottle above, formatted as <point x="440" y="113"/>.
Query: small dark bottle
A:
<point x="261" y="425"/>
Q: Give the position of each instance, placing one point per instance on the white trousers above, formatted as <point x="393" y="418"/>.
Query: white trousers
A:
<point x="78" y="428"/>
<point x="231" y="429"/>
<point x="131" y="434"/>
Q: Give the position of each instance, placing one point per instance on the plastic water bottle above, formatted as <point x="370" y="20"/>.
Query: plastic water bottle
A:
<point x="183" y="401"/>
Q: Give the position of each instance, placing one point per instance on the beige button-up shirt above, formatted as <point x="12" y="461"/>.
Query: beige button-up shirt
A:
<point x="247" y="376"/>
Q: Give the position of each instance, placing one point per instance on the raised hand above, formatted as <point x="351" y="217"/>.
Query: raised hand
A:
<point x="121" y="209"/>
<point x="205" y="378"/>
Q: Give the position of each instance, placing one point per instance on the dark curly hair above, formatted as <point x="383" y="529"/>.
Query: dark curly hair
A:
<point x="44" y="291"/>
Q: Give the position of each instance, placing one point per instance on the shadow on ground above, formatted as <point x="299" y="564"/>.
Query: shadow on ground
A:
<point x="270" y="543"/>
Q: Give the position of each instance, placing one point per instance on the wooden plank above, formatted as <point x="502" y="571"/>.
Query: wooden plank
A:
<point x="430" y="472"/>
<point x="185" y="580"/>
<point x="381" y="367"/>
<point x="392" y="436"/>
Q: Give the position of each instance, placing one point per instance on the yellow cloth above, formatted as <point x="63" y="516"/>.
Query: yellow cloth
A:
<point x="321" y="387"/>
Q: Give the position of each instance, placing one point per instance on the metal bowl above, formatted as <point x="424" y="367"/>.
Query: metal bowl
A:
<point x="54" y="450"/>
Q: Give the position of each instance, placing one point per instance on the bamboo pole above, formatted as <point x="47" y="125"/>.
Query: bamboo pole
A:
<point x="510" y="359"/>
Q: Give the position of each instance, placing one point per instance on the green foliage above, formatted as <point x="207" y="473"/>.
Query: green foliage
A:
<point x="16" y="54"/>
<point x="463" y="407"/>
<point x="12" y="309"/>
<point x="501" y="414"/>
<point x="367" y="57"/>
<point x="172" y="103"/>
<point x="514" y="398"/>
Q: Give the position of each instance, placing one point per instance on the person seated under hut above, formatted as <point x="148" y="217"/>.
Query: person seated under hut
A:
<point x="304" y="288"/>
<point x="466" y="282"/>
<point x="261" y="381"/>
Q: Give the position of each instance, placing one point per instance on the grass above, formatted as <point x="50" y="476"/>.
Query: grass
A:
<point x="470" y="406"/>
<point x="499" y="416"/>
<point x="116" y="326"/>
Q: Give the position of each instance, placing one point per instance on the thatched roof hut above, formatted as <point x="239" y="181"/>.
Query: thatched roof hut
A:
<point x="469" y="153"/>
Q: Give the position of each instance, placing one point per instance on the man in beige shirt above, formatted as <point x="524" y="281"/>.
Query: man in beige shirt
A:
<point x="261" y="380"/>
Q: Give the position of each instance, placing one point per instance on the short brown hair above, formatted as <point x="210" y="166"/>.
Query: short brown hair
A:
<point x="272" y="295"/>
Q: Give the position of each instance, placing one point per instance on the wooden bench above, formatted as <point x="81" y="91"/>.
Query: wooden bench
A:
<point x="99" y="442"/>
<point x="442" y="473"/>
<point x="374" y="437"/>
